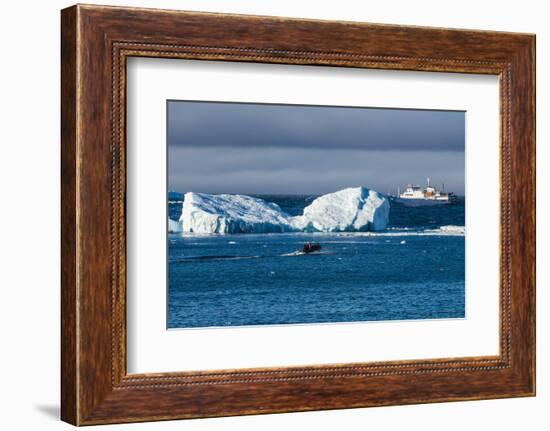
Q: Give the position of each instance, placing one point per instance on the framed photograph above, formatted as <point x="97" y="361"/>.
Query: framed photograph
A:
<point x="265" y="215"/>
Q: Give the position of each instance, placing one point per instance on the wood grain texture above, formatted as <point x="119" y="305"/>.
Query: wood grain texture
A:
<point x="69" y="366"/>
<point x="96" y="41"/>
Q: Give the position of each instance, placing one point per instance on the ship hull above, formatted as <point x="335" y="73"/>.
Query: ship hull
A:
<point x="421" y="202"/>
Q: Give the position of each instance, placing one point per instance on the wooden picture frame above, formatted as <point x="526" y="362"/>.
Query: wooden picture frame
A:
<point x="95" y="43"/>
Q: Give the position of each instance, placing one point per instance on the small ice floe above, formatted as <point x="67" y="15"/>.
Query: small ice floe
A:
<point x="272" y="272"/>
<point x="448" y="230"/>
<point x="453" y="229"/>
<point x="403" y="242"/>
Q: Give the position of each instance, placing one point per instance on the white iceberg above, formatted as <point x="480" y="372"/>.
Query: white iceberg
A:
<point x="356" y="209"/>
<point x="206" y="213"/>
<point x="350" y="210"/>
<point x="174" y="226"/>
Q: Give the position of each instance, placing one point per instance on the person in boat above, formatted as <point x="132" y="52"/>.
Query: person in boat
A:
<point x="310" y="247"/>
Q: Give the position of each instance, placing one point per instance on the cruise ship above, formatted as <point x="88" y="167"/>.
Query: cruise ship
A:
<point x="418" y="196"/>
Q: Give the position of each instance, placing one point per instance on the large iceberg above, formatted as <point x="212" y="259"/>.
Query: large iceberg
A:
<point x="355" y="209"/>
<point x="205" y="213"/>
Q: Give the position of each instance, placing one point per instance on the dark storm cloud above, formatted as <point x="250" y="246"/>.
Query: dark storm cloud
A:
<point x="214" y="124"/>
<point x="307" y="171"/>
<point x="255" y="148"/>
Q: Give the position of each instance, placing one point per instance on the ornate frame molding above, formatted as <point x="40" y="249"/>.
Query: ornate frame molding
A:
<point x="96" y="41"/>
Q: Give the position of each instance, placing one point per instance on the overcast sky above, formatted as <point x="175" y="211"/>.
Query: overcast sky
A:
<point x="218" y="147"/>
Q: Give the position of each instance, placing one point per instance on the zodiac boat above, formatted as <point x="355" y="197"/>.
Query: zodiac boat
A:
<point x="310" y="247"/>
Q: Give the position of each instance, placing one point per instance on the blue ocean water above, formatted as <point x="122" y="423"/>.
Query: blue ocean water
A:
<point x="414" y="270"/>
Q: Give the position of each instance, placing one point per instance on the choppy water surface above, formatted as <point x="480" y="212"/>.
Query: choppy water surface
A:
<point x="414" y="270"/>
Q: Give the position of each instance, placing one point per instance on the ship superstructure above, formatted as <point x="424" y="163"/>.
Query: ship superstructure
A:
<point x="429" y="195"/>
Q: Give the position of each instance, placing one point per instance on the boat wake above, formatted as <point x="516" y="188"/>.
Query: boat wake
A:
<point x="189" y="259"/>
<point x="303" y="253"/>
